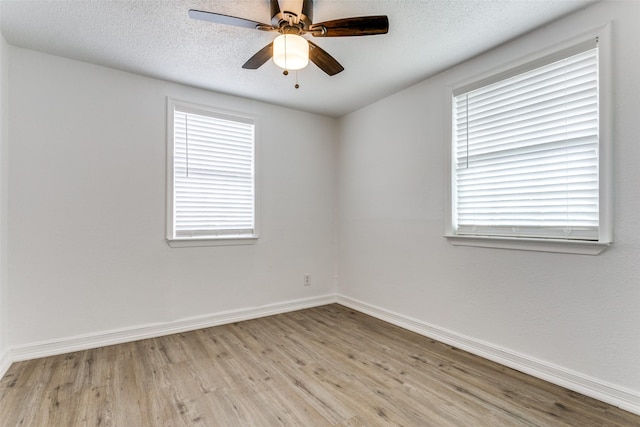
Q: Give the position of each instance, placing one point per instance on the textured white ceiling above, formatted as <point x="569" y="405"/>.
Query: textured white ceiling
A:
<point x="156" y="38"/>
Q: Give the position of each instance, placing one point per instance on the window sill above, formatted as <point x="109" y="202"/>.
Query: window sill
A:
<point x="522" y="244"/>
<point x="219" y="241"/>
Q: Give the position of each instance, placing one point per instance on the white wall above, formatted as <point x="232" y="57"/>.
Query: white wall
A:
<point x="87" y="206"/>
<point x="579" y="314"/>
<point x="4" y="288"/>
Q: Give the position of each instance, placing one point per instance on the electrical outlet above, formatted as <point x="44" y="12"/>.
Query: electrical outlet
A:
<point x="307" y="279"/>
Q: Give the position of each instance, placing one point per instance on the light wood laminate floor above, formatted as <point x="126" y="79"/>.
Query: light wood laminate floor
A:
<point x="323" y="366"/>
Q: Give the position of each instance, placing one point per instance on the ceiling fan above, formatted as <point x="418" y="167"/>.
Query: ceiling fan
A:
<point x="293" y="19"/>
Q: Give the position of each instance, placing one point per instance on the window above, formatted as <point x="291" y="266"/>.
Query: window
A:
<point x="211" y="177"/>
<point x="526" y="148"/>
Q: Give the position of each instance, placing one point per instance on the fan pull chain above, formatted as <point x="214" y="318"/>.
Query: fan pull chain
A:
<point x="286" y="73"/>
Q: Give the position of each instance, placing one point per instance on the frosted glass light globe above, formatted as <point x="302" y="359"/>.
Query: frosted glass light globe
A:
<point x="290" y="52"/>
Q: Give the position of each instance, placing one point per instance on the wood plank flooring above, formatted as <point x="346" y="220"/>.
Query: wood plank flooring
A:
<point x="325" y="366"/>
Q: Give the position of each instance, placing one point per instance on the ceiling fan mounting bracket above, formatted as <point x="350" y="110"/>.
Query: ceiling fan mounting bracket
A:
<point x="265" y="27"/>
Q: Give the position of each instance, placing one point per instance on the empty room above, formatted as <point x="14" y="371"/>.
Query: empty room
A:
<point x="319" y="213"/>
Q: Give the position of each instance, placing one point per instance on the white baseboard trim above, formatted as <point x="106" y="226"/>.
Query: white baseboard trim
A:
<point x="135" y="333"/>
<point x="626" y="399"/>
<point x="5" y="363"/>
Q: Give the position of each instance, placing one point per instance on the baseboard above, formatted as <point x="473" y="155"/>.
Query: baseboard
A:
<point x="626" y="399"/>
<point x="5" y="363"/>
<point x="101" y="339"/>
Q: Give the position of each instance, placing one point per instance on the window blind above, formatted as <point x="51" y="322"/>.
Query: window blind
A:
<point x="213" y="175"/>
<point x="526" y="153"/>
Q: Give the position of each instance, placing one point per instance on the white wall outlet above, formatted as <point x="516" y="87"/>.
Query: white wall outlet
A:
<point x="307" y="279"/>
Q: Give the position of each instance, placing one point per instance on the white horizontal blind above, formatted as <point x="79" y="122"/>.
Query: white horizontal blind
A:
<point x="213" y="175"/>
<point x="526" y="153"/>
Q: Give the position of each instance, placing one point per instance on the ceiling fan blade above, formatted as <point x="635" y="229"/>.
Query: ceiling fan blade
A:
<point x="323" y="60"/>
<point x="360" y="26"/>
<point x="258" y="60"/>
<point x="218" y="18"/>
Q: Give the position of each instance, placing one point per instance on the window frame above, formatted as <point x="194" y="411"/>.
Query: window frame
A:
<point x="605" y="166"/>
<point x="200" y="241"/>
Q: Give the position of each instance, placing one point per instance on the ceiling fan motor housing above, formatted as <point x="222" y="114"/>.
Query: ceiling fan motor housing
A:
<point x="288" y="17"/>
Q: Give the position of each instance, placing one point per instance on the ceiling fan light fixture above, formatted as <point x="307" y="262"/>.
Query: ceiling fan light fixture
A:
<point x="291" y="52"/>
